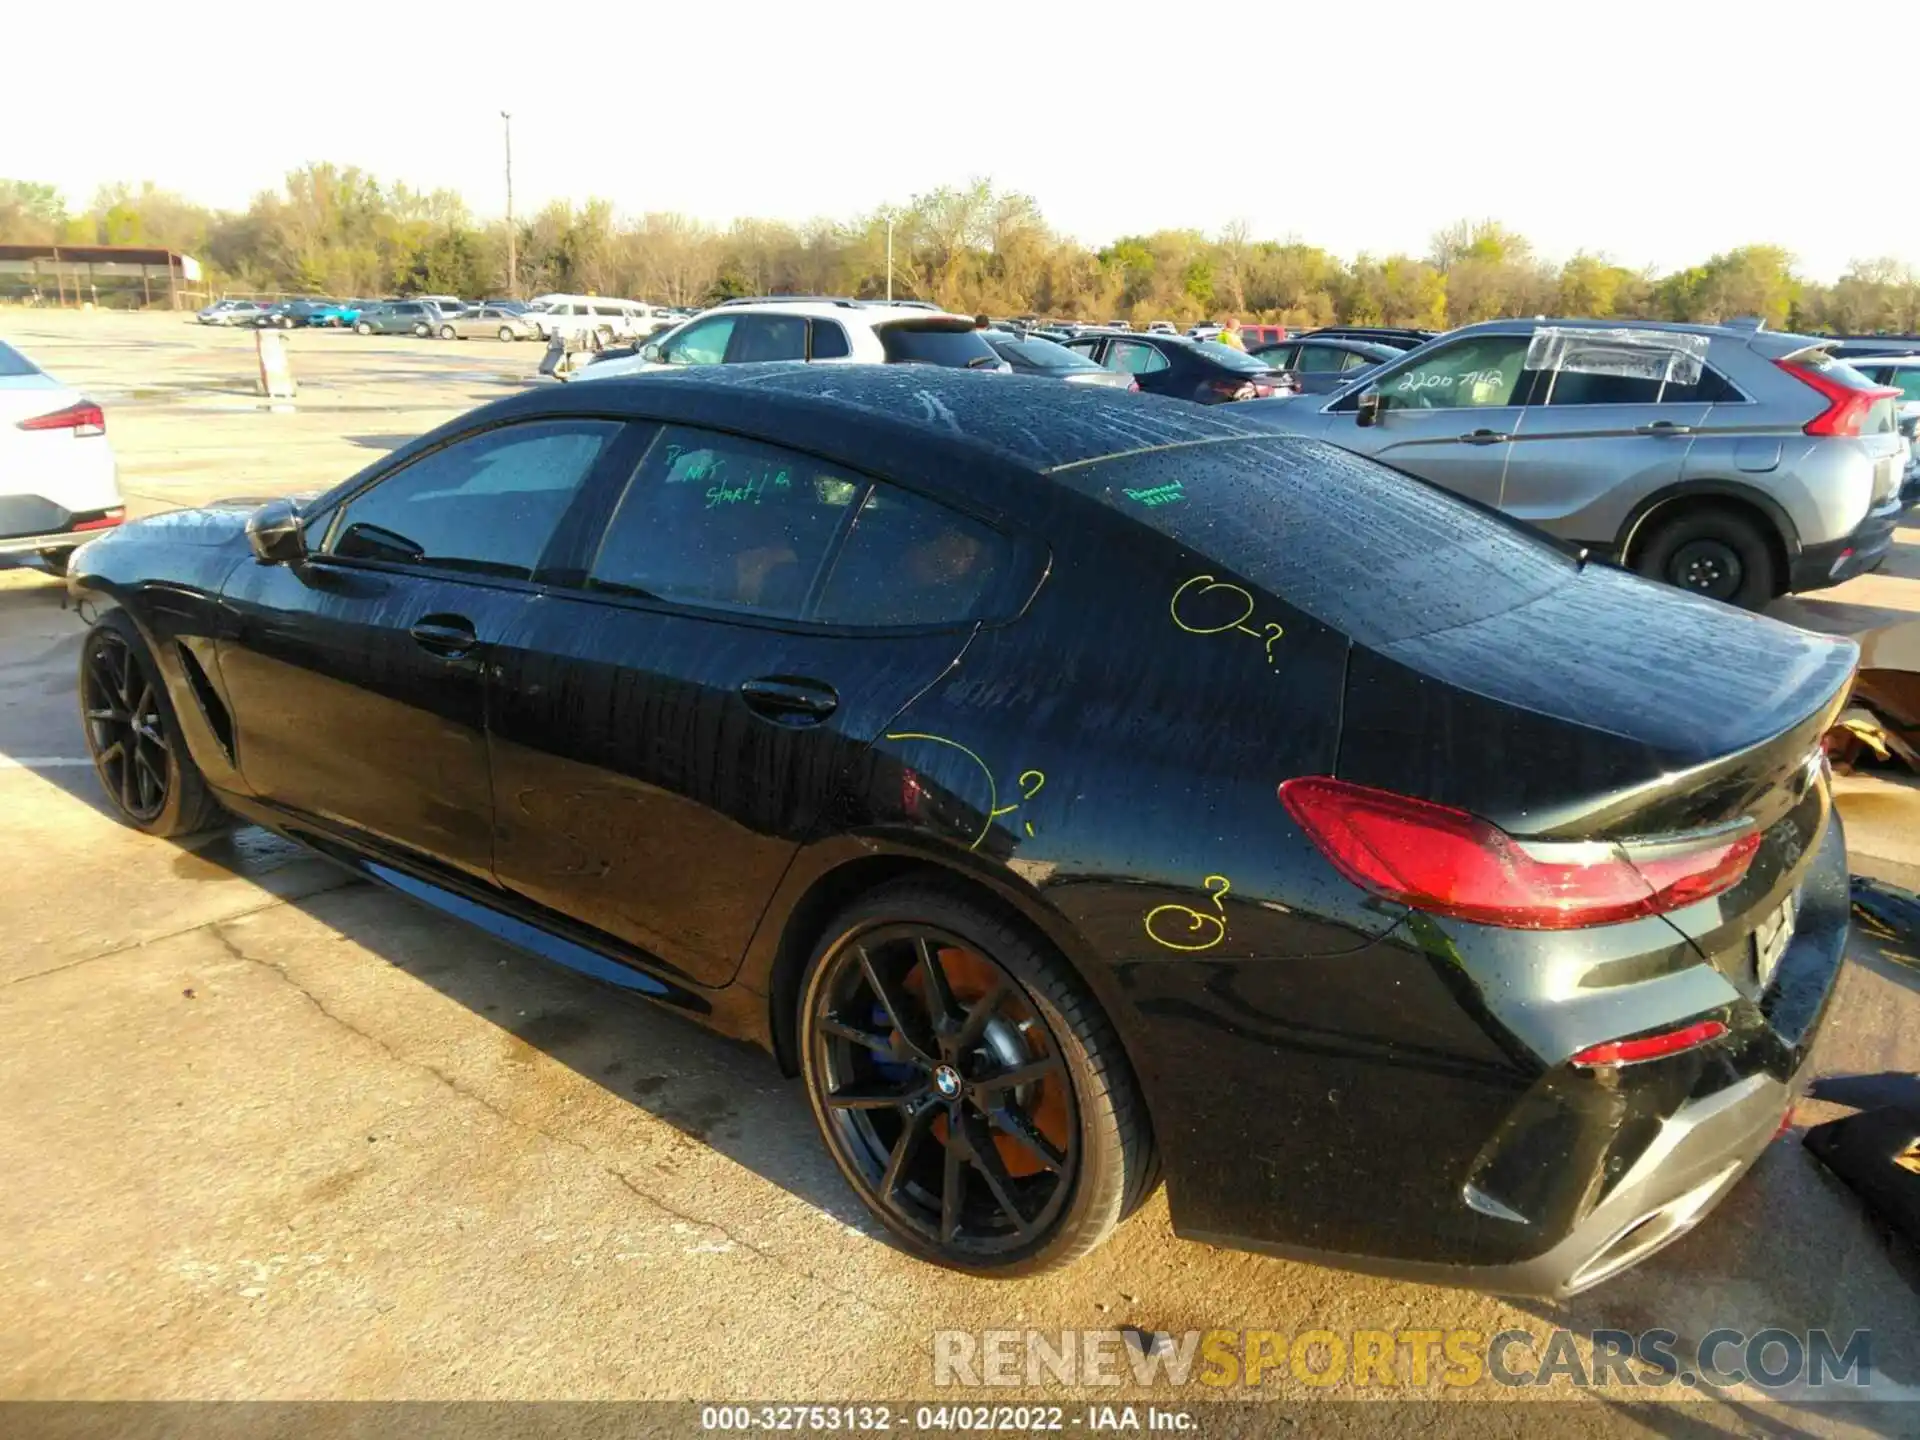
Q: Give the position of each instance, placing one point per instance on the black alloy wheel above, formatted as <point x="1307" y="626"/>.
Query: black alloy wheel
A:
<point x="130" y="748"/>
<point x="134" y="736"/>
<point x="974" y="1098"/>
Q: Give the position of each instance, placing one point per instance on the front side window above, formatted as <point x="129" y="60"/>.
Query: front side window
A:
<point x="1470" y="374"/>
<point x="704" y="343"/>
<point x="1321" y="359"/>
<point x="768" y="337"/>
<point x="725" y="523"/>
<point x="910" y="561"/>
<point x="484" y="505"/>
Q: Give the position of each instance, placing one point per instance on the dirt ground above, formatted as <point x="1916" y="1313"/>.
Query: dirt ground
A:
<point x="272" y="1132"/>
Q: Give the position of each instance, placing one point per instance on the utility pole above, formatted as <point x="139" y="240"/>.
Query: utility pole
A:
<point x="513" y="267"/>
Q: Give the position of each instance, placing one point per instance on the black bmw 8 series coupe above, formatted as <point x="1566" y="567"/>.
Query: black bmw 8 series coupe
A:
<point x="1072" y="788"/>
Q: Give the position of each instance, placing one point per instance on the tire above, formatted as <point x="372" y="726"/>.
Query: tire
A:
<point x="1715" y="551"/>
<point x="286" y="322"/>
<point x="505" y="332"/>
<point x="422" y="332"/>
<point x="447" y="332"/>
<point x="151" y="782"/>
<point x="1020" y="1205"/>
<point x="56" y="560"/>
<point x="361" y="327"/>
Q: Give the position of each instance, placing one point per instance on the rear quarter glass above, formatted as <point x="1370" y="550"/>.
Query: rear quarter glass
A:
<point x="1371" y="552"/>
<point x="12" y="362"/>
<point x="934" y="346"/>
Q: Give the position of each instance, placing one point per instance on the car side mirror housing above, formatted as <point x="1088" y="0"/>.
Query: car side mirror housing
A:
<point x="1367" y="409"/>
<point x="650" y="352"/>
<point x="277" y="533"/>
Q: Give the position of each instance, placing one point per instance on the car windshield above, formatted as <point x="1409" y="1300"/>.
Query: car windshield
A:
<point x="1230" y="358"/>
<point x="12" y="362"/>
<point x="935" y="345"/>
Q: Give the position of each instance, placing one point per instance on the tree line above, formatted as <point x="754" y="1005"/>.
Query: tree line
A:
<point x="332" y="230"/>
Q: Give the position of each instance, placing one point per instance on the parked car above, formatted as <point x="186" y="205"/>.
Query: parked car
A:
<point x="231" y="312"/>
<point x="1032" y="355"/>
<point x="1201" y="370"/>
<point x="1902" y="373"/>
<point x="610" y="319"/>
<point x="1398" y="337"/>
<point x="59" y="485"/>
<point x="398" y="317"/>
<point x="489" y="321"/>
<point x="1731" y="461"/>
<point x="293" y="314"/>
<point x="1323" y="365"/>
<point x="842" y="331"/>
<point x="1254" y="336"/>
<point x="1529" y="949"/>
<point x="1162" y="327"/>
<point x="1856" y="347"/>
<point x="340" y="313"/>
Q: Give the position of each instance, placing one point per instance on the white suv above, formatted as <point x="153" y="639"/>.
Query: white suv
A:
<point x="844" y="331"/>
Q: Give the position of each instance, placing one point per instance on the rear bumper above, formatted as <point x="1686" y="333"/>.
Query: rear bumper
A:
<point x="1638" y="1155"/>
<point x="60" y="530"/>
<point x="1832" y="561"/>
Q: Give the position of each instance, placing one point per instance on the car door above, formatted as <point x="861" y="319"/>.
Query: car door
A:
<point x="1150" y="369"/>
<point x="670" y="730"/>
<point x="1446" y="414"/>
<point x="358" y="678"/>
<point x="1595" y="440"/>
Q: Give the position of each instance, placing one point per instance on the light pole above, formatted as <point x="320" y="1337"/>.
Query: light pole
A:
<point x="513" y="267"/>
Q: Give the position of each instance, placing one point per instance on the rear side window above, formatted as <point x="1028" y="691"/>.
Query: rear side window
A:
<point x="829" y="341"/>
<point x="768" y="337"/>
<point x="1571" y="387"/>
<point x="907" y="343"/>
<point x="1045" y="354"/>
<point x="725" y="523"/>
<point x="909" y="561"/>
<point x="1133" y="357"/>
<point x="1319" y="359"/>
<point x="1232" y="359"/>
<point x="486" y="505"/>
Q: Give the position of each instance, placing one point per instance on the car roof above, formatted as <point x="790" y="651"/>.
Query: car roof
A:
<point x="1032" y="423"/>
<point x="867" y="312"/>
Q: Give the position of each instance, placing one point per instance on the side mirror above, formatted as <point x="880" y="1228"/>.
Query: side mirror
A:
<point x="277" y="533"/>
<point x="1368" y="409"/>
<point x="650" y="352"/>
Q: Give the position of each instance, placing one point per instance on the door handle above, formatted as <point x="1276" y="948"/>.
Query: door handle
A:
<point x="451" y="637"/>
<point x="789" y="702"/>
<point x="1663" y="427"/>
<point x="1483" y="437"/>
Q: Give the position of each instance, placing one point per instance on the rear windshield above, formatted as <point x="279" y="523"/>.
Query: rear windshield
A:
<point x="931" y="345"/>
<point x="1367" y="550"/>
<point x="1231" y="358"/>
<point x="12" y="362"/>
<point x="1044" y="353"/>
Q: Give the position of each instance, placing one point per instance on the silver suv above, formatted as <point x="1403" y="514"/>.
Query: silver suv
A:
<point x="1729" y="460"/>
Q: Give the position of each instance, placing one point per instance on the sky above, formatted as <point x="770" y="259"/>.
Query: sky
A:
<point x="1653" y="134"/>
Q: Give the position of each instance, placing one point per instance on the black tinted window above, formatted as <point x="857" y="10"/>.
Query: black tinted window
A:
<point x="768" y="337"/>
<point x="1573" y="388"/>
<point x="486" y="505"/>
<point x="1044" y="354"/>
<point x="829" y="341"/>
<point x="934" y="346"/>
<point x="909" y="561"/>
<point x="1318" y="359"/>
<point x="714" y="520"/>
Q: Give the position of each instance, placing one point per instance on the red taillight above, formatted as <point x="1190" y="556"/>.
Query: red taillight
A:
<point x="83" y="418"/>
<point x="116" y="516"/>
<point x="1847" y="407"/>
<point x="1448" y="862"/>
<point x="1651" y="1047"/>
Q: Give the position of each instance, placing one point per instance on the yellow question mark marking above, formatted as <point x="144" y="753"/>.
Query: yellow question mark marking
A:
<point x="993" y="791"/>
<point x="1197" y="920"/>
<point x="1278" y="633"/>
